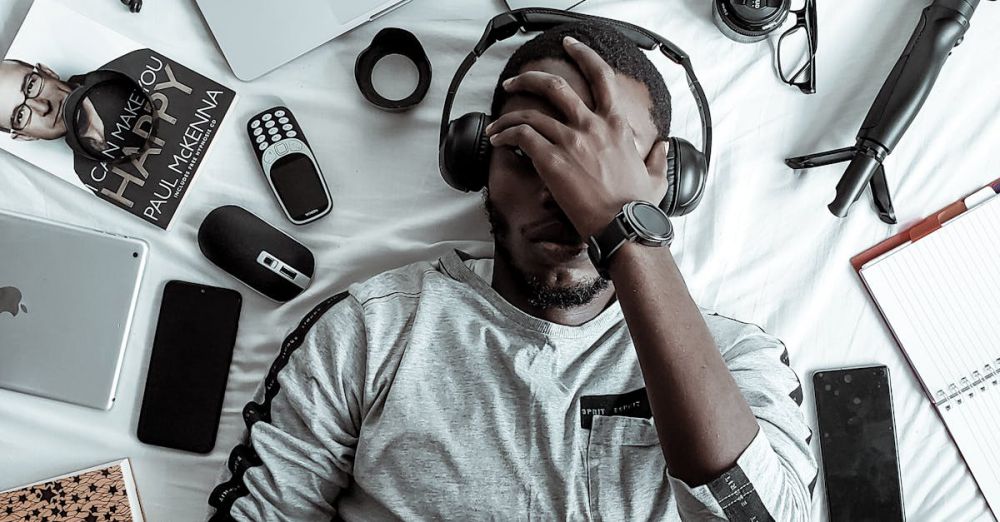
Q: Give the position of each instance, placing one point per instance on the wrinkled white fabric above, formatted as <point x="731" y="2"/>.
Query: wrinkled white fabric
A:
<point x="762" y="247"/>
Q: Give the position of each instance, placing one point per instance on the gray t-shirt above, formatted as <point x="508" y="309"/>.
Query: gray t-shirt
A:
<point x="422" y="394"/>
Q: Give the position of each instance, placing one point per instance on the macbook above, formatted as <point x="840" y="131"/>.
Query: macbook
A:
<point x="67" y="295"/>
<point x="257" y="36"/>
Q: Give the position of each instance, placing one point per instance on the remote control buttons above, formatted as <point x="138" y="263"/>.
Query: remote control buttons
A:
<point x="279" y="113"/>
<point x="287" y="127"/>
<point x="257" y="131"/>
<point x="269" y="124"/>
<point x="262" y="146"/>
<point x="292" y="134"/>
<point x="283" y="120"/>
<point x="295" y="146"/>
<point x="272" y="132"/>
<point x="266" y="117"/>
<point x="275" y="138"/>
<point x="261" y="139"/>
<point x="281" y="149"/>
<point x="254" y="124"/>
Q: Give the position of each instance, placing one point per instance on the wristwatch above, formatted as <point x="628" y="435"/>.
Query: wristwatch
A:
<point x="639" y="221"/>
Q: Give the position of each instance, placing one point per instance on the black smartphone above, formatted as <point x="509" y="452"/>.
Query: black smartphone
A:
<point x="189" y="366"/>
<point x="858" y="442"/>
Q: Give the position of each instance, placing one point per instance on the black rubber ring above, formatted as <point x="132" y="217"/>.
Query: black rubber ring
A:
<point x="92" y="81"/>
<point x="393" y="40"/>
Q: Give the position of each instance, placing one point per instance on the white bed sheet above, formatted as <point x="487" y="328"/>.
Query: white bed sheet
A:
<point x="762" y="247"/>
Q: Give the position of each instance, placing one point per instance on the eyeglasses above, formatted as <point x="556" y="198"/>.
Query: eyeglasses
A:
<point x="796" y="56"/>
<point x="30" y="88"/>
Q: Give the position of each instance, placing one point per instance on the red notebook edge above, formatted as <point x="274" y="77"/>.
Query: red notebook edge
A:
<point x="918" y="230"/>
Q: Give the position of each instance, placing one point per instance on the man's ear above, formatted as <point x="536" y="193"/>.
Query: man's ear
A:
<point x="47" y="71"/>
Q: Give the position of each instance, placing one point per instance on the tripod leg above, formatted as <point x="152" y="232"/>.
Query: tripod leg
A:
<point x="821" y="158"/>
<point x="881" y="196"/>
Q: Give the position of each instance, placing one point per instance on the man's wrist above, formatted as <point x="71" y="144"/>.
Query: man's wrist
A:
<point x="639" y="222"/>
<point x="632" y="254"/>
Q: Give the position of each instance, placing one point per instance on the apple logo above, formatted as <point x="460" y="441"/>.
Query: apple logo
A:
<point x="10" y="301"/>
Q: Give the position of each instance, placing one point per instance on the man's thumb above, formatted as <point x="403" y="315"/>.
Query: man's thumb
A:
<point x="656" y="161"/>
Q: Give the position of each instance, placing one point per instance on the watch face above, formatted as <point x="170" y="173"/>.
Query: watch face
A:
<point x="650" y="220"/>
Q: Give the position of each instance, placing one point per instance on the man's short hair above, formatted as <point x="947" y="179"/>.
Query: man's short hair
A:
<point x="3" y="124"/>
<point x="622" y="55"/>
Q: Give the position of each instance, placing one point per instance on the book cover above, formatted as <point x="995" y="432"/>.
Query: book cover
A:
<point x="105" y="492"/>
<point x="51" y="55"/>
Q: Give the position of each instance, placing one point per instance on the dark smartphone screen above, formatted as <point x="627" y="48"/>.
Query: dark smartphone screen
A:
<point x="858" y="441"/>
<point x="298" y="185"/>
<point x="189" y="366"/>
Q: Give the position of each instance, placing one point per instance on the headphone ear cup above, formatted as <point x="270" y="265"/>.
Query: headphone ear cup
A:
<point x="687" y="174"/>
<point x="464" y="158"/>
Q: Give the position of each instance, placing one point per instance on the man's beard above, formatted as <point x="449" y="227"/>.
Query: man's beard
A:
<point x="540" y="294"/>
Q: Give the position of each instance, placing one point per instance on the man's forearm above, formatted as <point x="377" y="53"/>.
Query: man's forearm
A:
<point x="702" y="419"/>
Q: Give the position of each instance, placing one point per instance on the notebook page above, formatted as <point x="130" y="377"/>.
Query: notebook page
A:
<point x="941" y="298"/>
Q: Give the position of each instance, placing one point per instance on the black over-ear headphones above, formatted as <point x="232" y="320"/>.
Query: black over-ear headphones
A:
<point x="107" y="82"/>
<point x="465" y="148"/>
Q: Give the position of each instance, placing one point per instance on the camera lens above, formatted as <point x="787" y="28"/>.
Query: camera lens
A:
<point x="746" y="24"/>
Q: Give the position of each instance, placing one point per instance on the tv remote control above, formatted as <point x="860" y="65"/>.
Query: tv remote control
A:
<point x="289" y="165"/>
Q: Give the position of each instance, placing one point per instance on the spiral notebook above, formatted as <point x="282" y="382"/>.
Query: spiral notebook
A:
<point x="938" y="287"/>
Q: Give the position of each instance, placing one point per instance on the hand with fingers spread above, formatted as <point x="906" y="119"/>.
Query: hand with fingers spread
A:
<point x="589" y="160"/>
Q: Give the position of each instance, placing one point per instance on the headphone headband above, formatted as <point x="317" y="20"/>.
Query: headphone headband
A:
<point x="536" y="19"/>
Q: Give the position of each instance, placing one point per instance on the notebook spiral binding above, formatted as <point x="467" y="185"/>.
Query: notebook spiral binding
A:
<point x="967" y="387"/>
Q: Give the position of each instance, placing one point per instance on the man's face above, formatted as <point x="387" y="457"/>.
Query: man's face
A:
<point x="45" y="108"/>
<point x="530" y="230"/>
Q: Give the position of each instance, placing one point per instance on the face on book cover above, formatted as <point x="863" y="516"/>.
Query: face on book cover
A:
<point x="32" y="102"/>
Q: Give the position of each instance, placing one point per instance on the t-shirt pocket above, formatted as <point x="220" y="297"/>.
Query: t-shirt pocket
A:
<point x="626" y="471"/>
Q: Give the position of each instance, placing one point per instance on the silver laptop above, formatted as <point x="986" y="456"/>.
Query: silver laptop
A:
<point x="67" y="295"/>
<point x="257" y="36"/>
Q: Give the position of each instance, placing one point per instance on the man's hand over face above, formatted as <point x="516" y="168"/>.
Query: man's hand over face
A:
<point x="589" y="160"/>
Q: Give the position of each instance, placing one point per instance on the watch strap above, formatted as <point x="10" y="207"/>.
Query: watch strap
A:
<point x="601" y="246"/>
